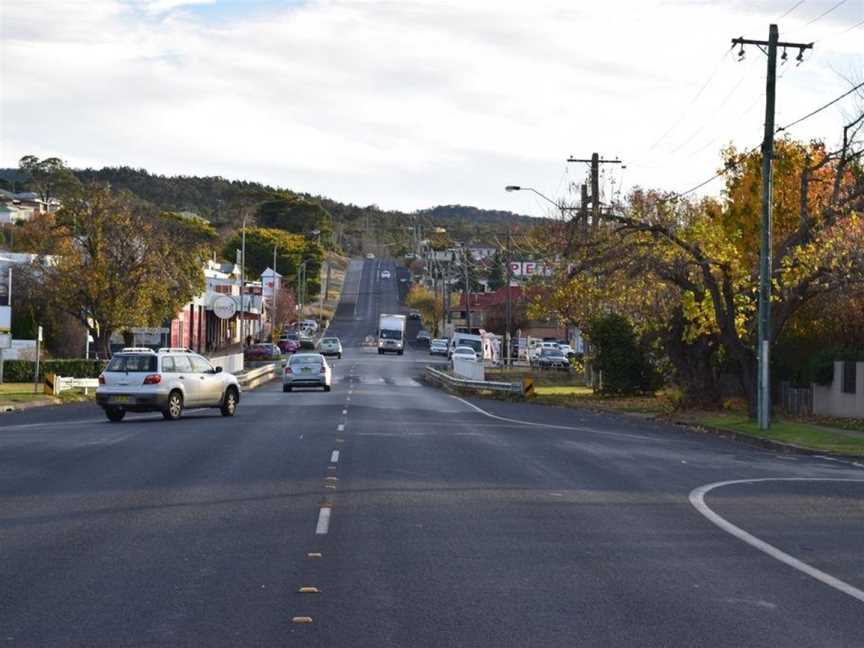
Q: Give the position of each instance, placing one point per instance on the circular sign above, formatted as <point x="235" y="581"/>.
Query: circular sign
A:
<point x="224" y="307"/>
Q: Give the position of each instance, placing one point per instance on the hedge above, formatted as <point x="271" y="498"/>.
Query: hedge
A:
<point x="22" y="370"/>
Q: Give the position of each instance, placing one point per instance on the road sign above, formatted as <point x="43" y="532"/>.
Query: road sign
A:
<point x="224" y="307"/>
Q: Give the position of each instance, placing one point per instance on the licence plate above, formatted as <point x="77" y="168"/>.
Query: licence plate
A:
<point x="119" y="399"/>
<point x="306" y="370"/>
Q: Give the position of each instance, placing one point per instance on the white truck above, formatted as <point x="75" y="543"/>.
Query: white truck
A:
<point x="391" y="333"/>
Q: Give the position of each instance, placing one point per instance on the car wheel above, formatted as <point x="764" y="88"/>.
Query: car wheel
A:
<point x="175" y="406"/>
<point x="400" y="353"/>
<point x="339" y="356"/>
<point x="380" y="352"/>
<point x="229" y="403"/>
<point x="115" y="414"/>
<point x="286" y="389"/>
<point x="326" y="388"/>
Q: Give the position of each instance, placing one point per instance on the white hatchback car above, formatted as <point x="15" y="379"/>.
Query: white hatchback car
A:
<point x="385" y="274"/>
<point x="306" y="370"/>
<point x="143" y="380"/>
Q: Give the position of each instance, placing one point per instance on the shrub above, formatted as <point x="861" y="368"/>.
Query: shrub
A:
<point x="22" y="370"/>
<point x="625" y="365"/>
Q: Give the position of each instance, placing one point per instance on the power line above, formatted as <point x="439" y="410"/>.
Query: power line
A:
<point x="791" y="9"/>
<point x="820" y="109"/>
<point x="825" y="13"/>
<point x="692" y="101"/>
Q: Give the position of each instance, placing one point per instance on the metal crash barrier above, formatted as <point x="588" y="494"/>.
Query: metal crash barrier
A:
<point x="445" y="380"/>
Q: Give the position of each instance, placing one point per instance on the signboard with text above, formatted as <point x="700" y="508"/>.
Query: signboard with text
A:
<point x="530" y="269"/>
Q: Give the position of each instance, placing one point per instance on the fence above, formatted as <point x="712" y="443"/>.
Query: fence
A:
<point x="796" y="401"/>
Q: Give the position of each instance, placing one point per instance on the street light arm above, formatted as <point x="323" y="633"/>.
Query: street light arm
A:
<point x="543" y="196"/>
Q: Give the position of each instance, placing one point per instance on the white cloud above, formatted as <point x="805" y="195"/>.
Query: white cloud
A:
<point x="405" y="103"/>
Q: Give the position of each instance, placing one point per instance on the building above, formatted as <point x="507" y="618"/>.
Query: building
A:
<point x="19" y="207"/>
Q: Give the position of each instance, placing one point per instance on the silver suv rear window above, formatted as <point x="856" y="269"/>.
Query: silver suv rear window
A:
<point x="138" y="362"/>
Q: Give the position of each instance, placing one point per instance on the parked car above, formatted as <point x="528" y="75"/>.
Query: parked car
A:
<point x="566" y="349"/>
<point x="423" y="337"/>
<point x="289" y="343"/>
<point x="330" y="346"/>
<point x="385" y="274"/>
<point x="306" y="370"/>
<point x="553" y="359"/>
<point x="143" y="380"/>
<point x="369" y="255"/>
<point x="438" y="347"/>
<point x="263" y="351"/>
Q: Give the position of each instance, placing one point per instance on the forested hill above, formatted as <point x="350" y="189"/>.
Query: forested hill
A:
<point x="218" y="199"/>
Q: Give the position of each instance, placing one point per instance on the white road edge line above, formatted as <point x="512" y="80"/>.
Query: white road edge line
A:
<point x="323" y="521"/>
<point x="334" y="456"/>
<point x="344" y="412"/>
<point x="340" y="427"/>
<point x="552" y="425"/>
<point x="697" y="499"/>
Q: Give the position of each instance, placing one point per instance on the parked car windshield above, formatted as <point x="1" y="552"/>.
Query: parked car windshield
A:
<point x="133" y="363"/>
<point x="552" y="353"/>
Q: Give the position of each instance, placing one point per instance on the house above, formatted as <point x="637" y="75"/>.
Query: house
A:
<point x="17" y="207"/>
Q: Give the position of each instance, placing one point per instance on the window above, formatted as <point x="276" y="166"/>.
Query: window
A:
<point x="200" y="365"/>
<point x="182" y="364"/>
<point x="849" y="371"/>
<point x="305" y="360"/>
<point x="168" y="365"/>
<point x="142" y="362"/>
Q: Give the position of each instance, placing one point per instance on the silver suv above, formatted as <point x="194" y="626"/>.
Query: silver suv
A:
<point x="143" y="380"/>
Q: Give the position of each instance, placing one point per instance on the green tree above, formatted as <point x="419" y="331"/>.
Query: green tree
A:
<point x="291" y="250"/>
<point x="497" y="277"/>
<point x="296" y="215"/>
<point x="49" y="178"/>
<point x="625" y="367"/>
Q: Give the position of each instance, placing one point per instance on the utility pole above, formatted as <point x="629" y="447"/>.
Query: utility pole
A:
<point x="243" y="286"/>
<point x="595" y="161"/>
<point x="274" y="298"/>
<point x="467" y="290"/>
<point x="508" y="335"/>
<point x="763" y="347"/>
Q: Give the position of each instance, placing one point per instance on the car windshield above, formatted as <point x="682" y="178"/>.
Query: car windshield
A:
<point x="388" y="334"/>
<point x="552" y="353"/>
<point x="475" y="345"/>
<point x="464" y="351"/>
<point x="133" y="363"/>
<point x="329" y="341"/>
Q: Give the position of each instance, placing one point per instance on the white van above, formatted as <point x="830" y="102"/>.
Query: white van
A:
<point x="466" y="339"/>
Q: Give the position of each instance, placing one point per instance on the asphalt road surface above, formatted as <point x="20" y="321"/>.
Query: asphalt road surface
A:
<point x="421" y="519"/>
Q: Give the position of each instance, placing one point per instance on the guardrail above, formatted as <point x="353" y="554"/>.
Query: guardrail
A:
<point x="254" y="377"/>
<point x="446" y="380"/>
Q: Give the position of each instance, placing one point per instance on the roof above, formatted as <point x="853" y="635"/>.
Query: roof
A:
<point x="487" y="300"/>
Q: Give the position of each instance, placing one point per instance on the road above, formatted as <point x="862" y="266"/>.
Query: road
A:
<point x="439" y="522"/>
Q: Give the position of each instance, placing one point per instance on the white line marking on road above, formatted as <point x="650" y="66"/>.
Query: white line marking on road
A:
<point x="340" y="427"/>
<point x="697" y="499"/>
<point x="344" y="412"/>
<point x="553" y="426"/>
<point x="334" y="456"/>
<point x="323" y="521"/>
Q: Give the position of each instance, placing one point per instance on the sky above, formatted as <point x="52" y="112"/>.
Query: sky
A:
<point x="409" y="104"/>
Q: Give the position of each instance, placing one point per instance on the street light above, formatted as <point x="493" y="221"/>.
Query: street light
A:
<point x="562" y="208"/>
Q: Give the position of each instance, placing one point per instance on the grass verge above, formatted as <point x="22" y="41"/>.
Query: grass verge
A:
<point x="21" y="393"/>
<point x="804" y="435"/>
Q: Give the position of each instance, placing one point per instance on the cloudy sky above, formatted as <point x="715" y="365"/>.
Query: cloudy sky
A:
<point x="413" y="103"/>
